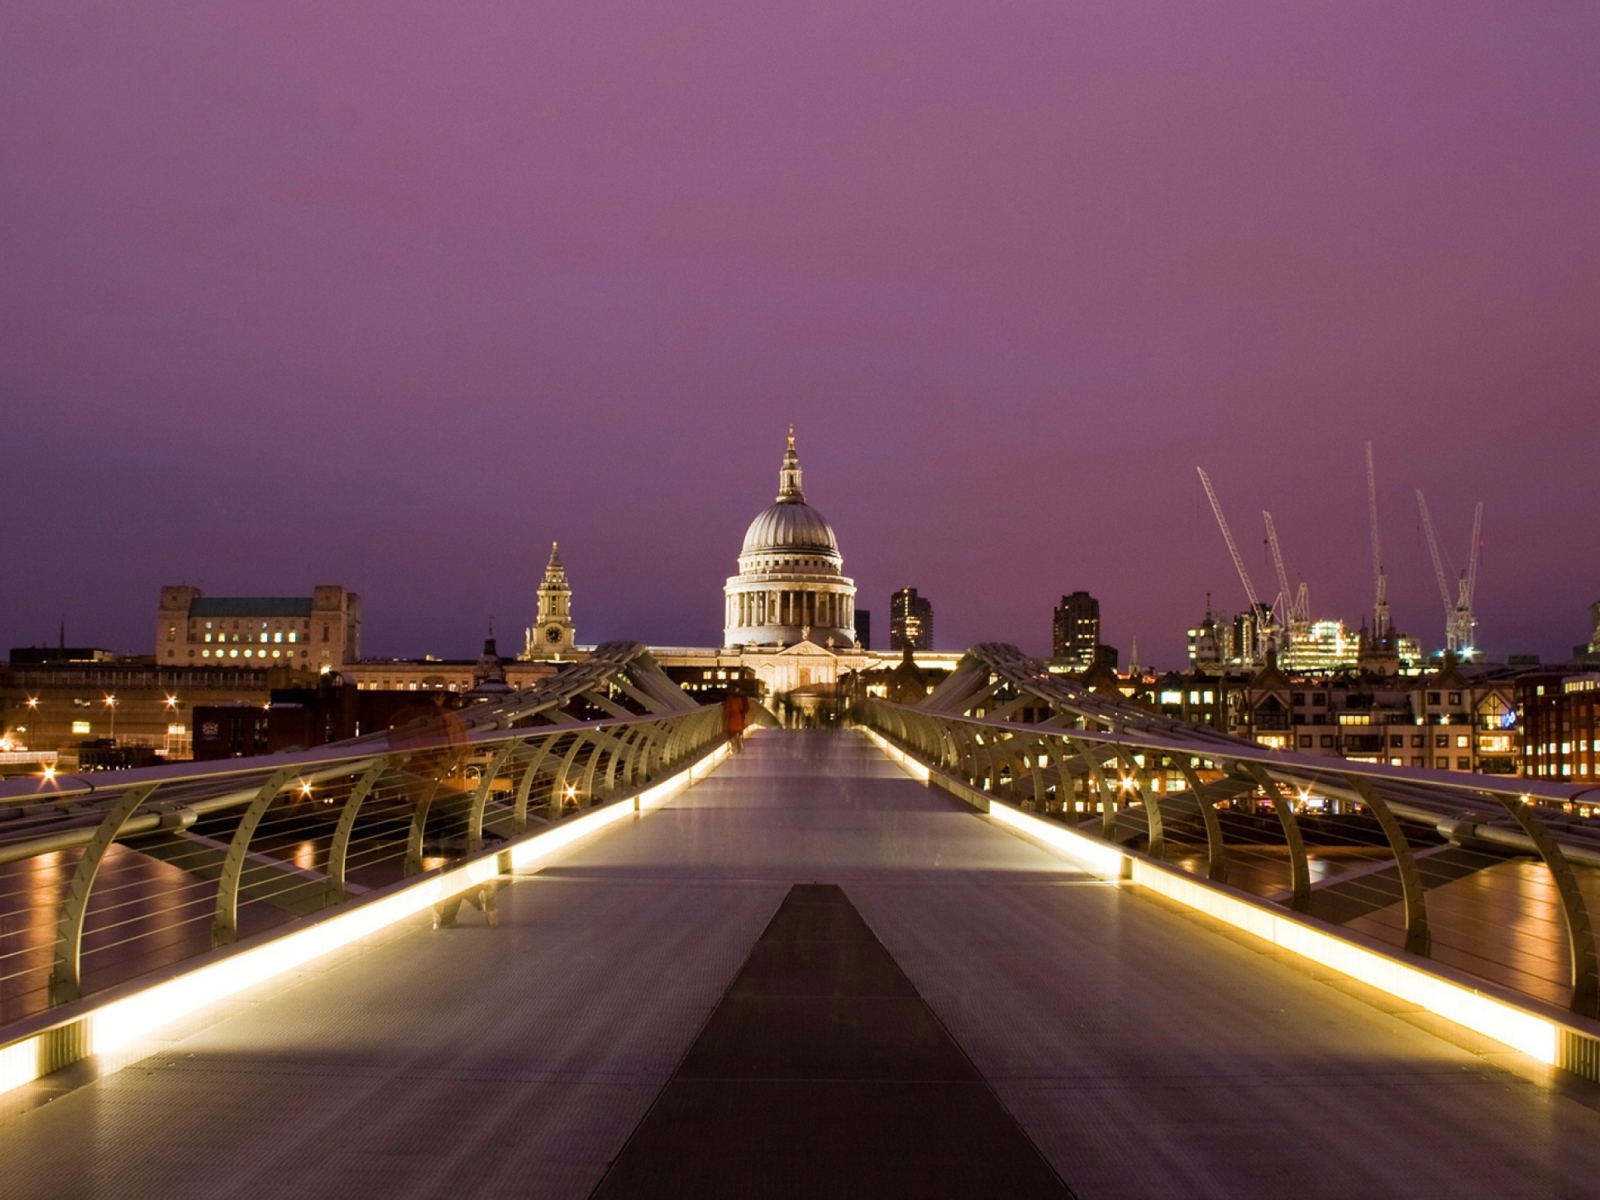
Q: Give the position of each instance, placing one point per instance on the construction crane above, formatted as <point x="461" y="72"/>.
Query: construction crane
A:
<point x="1466" y="617"/>
<point x="1460" y="625"/>
<point x="1295" y="610"/>
<point x="1380" y="584"/>
<point x="1262" y="628"/>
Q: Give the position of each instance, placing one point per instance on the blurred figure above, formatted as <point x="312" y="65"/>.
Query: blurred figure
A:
<point x="735" y="707"/>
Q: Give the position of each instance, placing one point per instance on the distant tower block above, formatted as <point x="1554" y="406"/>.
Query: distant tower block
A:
<point x="910" y="620"/>
<point x="552" y="635"/>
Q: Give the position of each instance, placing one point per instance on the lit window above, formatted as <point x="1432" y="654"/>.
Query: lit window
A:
<point x="205" y="654"/>
<point x="208" y="637"/>
<point x="233" y="654"/>
<point x="263" y="637"/>
<point x="277" y="637"/>
<point x="1461" y="741"/>
<point x="291" y="635"/>
<point x="80" y="727"/>
<point x="275" y="653"/>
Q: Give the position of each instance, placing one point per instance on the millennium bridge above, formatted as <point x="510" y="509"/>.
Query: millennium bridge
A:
<point x="1017" y="940"/>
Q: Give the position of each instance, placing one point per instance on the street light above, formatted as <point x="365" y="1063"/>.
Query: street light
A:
<point x="111" y="703"/>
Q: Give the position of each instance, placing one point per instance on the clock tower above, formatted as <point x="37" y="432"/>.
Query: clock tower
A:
<point x="552" y="635"/>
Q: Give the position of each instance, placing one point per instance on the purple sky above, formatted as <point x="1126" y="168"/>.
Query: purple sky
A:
<point x="391" y="294"/>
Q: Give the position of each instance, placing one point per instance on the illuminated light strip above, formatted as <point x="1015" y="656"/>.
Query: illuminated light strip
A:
<point x="911" y="766"/>
<point x="654" y="797"/>
<point x="120" y="1023"/>
<point x="19" y="1063"/>
<point x="567" y="832"/>
<point x="1094" y="856"/>
<point x="1535" y="1036"/>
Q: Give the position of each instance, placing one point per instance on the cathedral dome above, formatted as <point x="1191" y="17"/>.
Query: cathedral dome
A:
<point x="790" y="526"/>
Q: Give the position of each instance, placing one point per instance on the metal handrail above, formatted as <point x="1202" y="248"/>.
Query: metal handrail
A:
<point x="478" y="774"/>
<point x="996" y="755"/>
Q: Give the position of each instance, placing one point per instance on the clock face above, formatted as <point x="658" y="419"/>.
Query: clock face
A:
<point x="553" y="634"/>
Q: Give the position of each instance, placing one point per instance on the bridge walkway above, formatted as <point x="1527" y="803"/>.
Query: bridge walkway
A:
<point x="1143" y="1052"/>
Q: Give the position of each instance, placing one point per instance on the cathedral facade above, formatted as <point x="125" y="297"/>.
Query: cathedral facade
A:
<point x="791" y="587"/>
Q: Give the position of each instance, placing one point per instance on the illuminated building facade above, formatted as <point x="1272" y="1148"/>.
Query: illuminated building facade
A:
<point x="791" y="587"/>
<point x="1075" y="631"/>
<point x="316" y="632"/>
<point x="1560" y="716"/>
<point x="910" y="620"/>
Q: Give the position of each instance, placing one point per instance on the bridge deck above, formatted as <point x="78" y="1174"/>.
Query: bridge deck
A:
<point x="1143" y="1053"/>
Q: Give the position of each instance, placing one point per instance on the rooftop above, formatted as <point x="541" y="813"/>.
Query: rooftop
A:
<point x="251" y="606"/>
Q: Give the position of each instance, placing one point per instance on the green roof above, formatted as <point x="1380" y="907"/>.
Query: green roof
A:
<point x="251" y="606"/>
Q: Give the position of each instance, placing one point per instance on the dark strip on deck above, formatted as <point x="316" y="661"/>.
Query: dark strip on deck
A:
<point x="823" y="1073"/>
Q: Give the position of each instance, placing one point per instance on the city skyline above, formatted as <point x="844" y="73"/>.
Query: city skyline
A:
<point x="358" y="314"/>
<point x="460" y="635"/>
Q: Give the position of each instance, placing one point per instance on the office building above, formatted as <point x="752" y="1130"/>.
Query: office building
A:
<point x="1075" y="631"/>
<point x="910" y="620"/>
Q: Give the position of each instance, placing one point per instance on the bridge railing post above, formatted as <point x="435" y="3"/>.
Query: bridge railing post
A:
<point x="66" y="976"/>
<point x="225" y="924"/>
<point x="519" y="807"/>
<point x="1216" y="852"/>
<point x="1574" y="909"/>
<point x="339" y="850"/>
<point x="1418" y="938"/>
<point x="1299" y="867"/>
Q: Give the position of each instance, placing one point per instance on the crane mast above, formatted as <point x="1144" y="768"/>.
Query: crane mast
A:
<point x="1466" y="619"/>
<point x="1261" y="634"/>
<point x="1438" y="571"/>
<point x="1296" y="608"/>
<point x="1460" y="624"/>
<point x="1380" y="584"/>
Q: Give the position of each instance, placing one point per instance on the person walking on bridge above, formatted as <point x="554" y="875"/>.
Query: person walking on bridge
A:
<point x="734" y="708"/>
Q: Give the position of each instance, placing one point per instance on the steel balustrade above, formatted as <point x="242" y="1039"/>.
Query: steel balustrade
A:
<point x="1234" y="812"/>
<point x="155" y="858"/>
